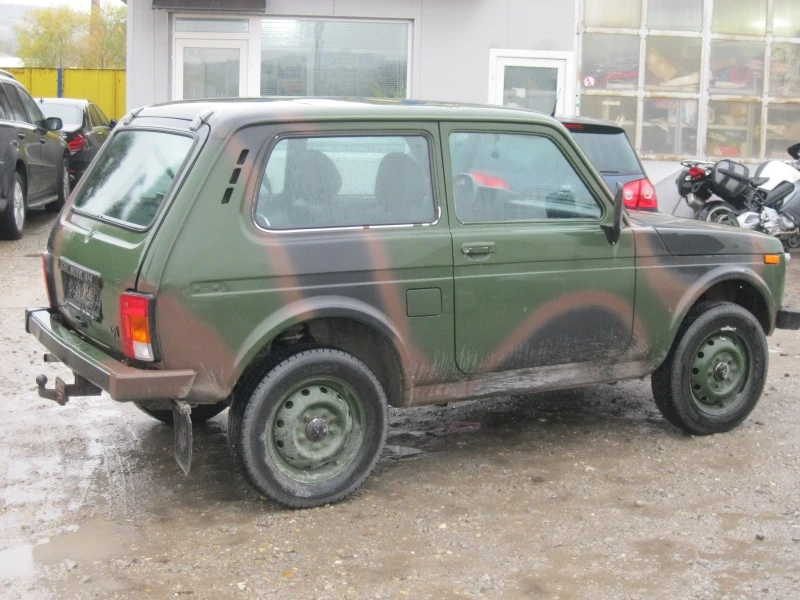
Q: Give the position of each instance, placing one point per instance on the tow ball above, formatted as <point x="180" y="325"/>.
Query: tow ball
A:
<point x="63" y="391"/>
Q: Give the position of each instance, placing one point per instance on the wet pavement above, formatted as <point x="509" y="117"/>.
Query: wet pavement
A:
<point x="581" y="494"/>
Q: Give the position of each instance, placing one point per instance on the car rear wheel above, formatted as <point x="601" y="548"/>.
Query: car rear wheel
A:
<point x="200" y="413"/>
<point x="715" y="372"/>
<point x="12" y="221"/>
<point x="312" y="430"/>
<point x="63" y="187"/>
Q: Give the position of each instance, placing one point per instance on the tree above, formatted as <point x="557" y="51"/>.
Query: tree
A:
<point x="66" y="37"/>
<point x="47" y="36"/>
<point x="104" y="45"/>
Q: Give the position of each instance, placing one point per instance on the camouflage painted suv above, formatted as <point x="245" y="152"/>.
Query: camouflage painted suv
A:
<point x="310" y="262"/>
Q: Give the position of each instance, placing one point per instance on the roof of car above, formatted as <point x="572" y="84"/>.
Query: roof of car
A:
<point x="233" y="111"/>
<point x="67" y="101"/>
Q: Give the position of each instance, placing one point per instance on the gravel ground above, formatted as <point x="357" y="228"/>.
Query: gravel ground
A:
<point x="580" y="494"/>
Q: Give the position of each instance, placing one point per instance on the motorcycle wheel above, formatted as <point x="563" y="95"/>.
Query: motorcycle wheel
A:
<point x="721" y="213"/>
<point x="794" y="241"/>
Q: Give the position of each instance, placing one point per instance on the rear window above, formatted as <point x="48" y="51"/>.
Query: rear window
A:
<point x="132" y="175"/>
<point x="72" y="116"/>
<point x="610" y="152"/>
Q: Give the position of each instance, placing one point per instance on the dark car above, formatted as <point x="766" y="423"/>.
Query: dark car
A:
<point x="85" y="128"/>
<point x="612" y="153"/>
<point x="34" y="158"/>
<point x="310" y="262"/>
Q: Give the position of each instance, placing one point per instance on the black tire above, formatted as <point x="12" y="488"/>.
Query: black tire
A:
<point x="200" y="413"/>
<point x="312" y="431"/>
<point x="63" y="188"/>
<point x="715" y="371"/>
<point x="721" y="213"/>
<point x="12" y="221"/>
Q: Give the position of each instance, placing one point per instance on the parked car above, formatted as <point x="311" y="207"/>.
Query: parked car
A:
<point x="612" y="153"/>
<point x="311" y="262"/>
<point x="34" y="159"/>
<point x="85" y="128"/>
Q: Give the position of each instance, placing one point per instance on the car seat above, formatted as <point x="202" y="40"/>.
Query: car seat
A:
<point x="402" y="191"/>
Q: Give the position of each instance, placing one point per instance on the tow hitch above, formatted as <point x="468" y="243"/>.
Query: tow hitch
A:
<point x="62" y="391"/>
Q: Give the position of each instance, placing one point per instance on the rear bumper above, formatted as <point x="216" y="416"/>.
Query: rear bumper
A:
<point x="787" y="318"/>
<point x="122" y="382"/>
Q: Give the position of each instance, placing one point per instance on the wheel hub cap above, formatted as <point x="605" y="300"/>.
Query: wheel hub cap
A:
<point x="720" y="370"/>
<point x="316" y="429"/>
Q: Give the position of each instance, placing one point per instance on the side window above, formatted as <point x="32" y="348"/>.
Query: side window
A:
<point x="102" y="119"/>
<point x="34" y="114"/>
<point x="506" y="177"/>
<point x="17" y="109"/>
<point x="5" y="107"/>
<point x="96" y="116"/>
<point x="346" y="181"/>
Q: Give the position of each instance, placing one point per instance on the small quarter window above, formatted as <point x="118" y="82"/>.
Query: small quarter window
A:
<point x="506" y="177"/>
<point x="346" y="181"/>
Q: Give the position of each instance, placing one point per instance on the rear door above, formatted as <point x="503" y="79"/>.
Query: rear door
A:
<point x="102" y="237"/>
<point x="536" y="280"/>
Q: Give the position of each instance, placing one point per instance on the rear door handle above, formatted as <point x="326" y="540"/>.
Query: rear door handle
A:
<point x="477" y="248"/>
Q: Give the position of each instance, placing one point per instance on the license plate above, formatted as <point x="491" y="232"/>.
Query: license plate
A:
<point x="82" y="289"/>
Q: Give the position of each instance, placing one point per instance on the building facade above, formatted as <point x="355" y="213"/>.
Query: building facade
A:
<point x="684" y="77"/>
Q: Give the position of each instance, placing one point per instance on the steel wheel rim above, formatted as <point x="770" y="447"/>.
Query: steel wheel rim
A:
<point x="19" y="206"/>
<point x="316" y="430"/>
<point x="720" y="369"/>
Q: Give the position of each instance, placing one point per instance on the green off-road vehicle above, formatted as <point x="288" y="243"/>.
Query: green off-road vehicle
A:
<point x="309" y="263"/>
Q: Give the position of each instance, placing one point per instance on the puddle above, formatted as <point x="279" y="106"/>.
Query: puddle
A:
<point x="16" y="563"/>
<point x="93" y="541"/>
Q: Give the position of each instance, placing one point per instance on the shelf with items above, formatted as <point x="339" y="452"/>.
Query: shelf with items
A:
<point x="734" y="129"/>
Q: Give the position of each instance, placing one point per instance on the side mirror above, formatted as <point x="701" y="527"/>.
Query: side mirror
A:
<point x="794" y="151"/>
<point x="112" y="123"/>
<point x="614" y="230"/>
<point x="53" y="124"/>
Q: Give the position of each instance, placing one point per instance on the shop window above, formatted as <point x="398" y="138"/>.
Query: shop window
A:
<point x="737" y="67"/>
<point x="610" y="61"/>
<point x="669" y="126"/>
<point x="675" y="15"/>
<point x="734" y="129"/>
<point x="673" y="64"/>
<point x="613" y="13"/>
<point x="786" y="18"/>
<point x="784" y="71"/>
<point x="740" y="17"/>
<point x="619" y="109"/>
<point x="783" y="129"/>
<point x="334" y="58"/>
<point x="190" y="25"/>
<point x="210" y="72"/>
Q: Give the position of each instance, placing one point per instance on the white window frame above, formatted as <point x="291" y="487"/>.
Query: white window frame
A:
<point x="563" y="61"/>
<point x="183" y="43"/>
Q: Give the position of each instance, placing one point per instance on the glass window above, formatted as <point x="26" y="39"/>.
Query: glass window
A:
<point x="613" y="13"/>
<point x="531" y="87"/>
<point x="35" y="115"/>
<point x="784" y="71"/>
<point x="132" y="176"/>
<point x="101" y="116"/>
<point x="673" y="64"/>
<point x="669" y="126"/>
<point x="786" y="18"/>
<point x="737" y="67"/>
<point x="742" y="17"/>
<point x="619" y="109"/>
<point x="346" y="181"/>
<point x="333" y="58"/>
<point x="610" y="61"/>
<point x="609" y="150"/>
<point x="71" y="116"/>
<point x="212" y="25"/>
<point x="503" y="177"/>
<point x="5" y="106"/>
<point x="17" y="108"/>
<point x="734" y="129"/>
<point x="210" y="73"/>
<point x="675" y="15"/>
<point x="783" y="129"/>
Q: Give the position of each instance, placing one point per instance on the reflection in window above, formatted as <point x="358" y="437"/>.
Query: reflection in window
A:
<point x="531" y="87"/>
<point x="613" y="13"/>
<point x="786" y="18"/>
<point x="734" y="129"/>
<point x="737" y="67"/>
<point x="783" y="129"/>
<point x="669" y="126"/>
<point x="784" y="71"/>
<point x="346" y="181"/>
<point x="333" y="58"/>
<point x="503" y="177"/>
<point x="619" y="109"/>
<point x="742" y="17"/>
<point x="675" y="15"/>
<point x="673" y="64"/>
<point x="610" y="61"/>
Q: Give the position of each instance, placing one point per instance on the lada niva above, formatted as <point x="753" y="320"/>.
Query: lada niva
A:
<point x="308" y="263"/>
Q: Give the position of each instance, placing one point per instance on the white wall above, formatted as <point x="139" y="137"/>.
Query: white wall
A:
<point x="450" y="53"/>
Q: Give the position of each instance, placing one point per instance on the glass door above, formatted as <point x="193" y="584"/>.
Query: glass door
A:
<point x="531" y="80"/>
<point x="210" y="69"/>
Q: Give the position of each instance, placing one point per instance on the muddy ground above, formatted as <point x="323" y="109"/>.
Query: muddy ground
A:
<point x="581" y="494"/>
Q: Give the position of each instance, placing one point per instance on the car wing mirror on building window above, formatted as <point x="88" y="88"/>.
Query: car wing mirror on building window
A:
<point x="614" y="229"/>
<point x="53" y="123"/>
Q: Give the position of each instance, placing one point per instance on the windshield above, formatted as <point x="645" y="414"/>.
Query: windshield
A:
<point x="611" y="153"/>
<point x="132" y="175"/>
<point x="70" y="115"/>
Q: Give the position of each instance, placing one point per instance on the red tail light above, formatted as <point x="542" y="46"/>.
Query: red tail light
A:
<point x="696" y="172"/>
<point x="640" y="195"/>
<point x="78" y="143"/>
<point x="487" y="180"/>
<point x="136" y="326"/>
<point x="574" y="126"/>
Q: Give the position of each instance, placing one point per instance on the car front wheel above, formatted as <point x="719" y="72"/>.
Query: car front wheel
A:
<point x="312" y="430"/>
<point x="714" y="374"/>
